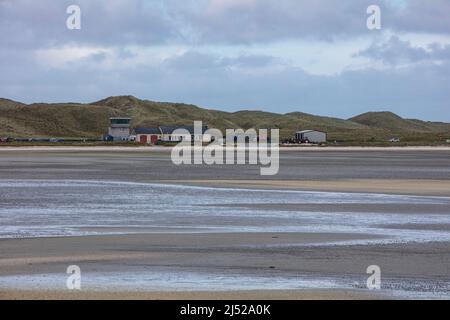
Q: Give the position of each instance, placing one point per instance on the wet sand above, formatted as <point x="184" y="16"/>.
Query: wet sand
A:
<point x="197" y="251"/>
<point x="223" y="251"/>
<point x="205" y="295"/>
<point x="151" y="165"/>
<point x="414" y="267"/>
<point x="420" y="264"/>
<point x="384" y="186"/>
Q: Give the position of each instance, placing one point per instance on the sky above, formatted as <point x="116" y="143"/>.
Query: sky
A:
<point x="280" y="56"/>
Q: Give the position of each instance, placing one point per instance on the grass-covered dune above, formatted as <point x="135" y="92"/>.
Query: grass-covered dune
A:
<point x="72" y="120"/>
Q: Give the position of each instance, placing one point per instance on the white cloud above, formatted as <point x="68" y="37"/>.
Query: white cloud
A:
<point x="66" y="56"/>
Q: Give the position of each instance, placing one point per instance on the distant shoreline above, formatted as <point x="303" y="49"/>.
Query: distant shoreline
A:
<point x="168" y="148"/>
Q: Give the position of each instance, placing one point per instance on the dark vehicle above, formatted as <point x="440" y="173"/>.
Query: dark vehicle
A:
<point x="6" y="139"/>
<point x="108" y="138"/>
<point x="39" y="140"/>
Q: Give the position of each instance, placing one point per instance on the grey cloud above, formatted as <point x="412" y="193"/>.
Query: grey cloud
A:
<point x="252" y="61"/>
<point x="251" y="21"/>
<point x="440" y="52"/>
<point x="419" y="16"/>
<point x="259" y="21"/>
<point x="193" y="60"/>
<point x="396" y="51"/>
<point x="41" y="23"/>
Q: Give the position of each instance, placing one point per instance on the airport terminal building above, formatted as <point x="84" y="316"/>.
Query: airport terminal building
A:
<point x="119" y="129"/>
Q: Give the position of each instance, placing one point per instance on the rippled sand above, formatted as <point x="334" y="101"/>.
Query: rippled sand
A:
<point x="140" y="228"/>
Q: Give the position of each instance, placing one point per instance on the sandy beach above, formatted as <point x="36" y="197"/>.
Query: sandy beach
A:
<point x="205" y="295"/>
<point x="222" y="251"/>
<point x="225" y="252"/>
<point x="142" y="228"/>
<point x="225" y="150"/>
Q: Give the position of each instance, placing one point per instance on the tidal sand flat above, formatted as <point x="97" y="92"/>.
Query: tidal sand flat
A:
<point x="136" y="238"/>
<point x="152" y="237"/>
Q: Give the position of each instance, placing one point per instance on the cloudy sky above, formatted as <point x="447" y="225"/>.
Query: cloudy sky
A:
<point x="276" y="55"/>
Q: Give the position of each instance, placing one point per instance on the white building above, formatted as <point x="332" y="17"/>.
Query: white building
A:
<point x="148" y="135"/>
<point x="168" y="134"/>
<point x="119" y="129"/>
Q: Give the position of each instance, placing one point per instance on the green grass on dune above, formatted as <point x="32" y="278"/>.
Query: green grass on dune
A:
<point x="64" y="120"/>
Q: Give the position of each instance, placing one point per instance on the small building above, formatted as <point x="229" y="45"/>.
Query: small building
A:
<point x="168" y="134"/>
<point x="119" y="129"/>
<point x="148" y="135"/>
<point x="152" y="135"/>
<point x="311" y="136"/>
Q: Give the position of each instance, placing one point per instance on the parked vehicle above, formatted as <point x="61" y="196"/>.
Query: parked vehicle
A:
<point x="5" y="139"/>
<point x="39" y="140"/>
<point x="108" y="138"/>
